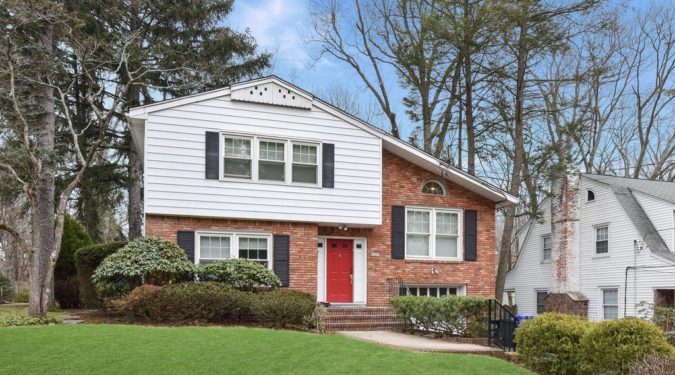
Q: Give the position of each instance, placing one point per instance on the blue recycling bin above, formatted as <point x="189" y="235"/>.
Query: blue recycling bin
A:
<point x="522" y="317"/>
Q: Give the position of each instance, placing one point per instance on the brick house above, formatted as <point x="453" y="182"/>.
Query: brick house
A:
<point x="335" y="207"/>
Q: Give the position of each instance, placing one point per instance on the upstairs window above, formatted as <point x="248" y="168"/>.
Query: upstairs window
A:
<point x="271" y="161"/>
<point x="237" y="157"/>
<point x="433" y="187"/>
<point x="602" y="240"/>
<point x="547" y="247"/>
<point x="590" y="196"/>
<point x="305" y="163"/>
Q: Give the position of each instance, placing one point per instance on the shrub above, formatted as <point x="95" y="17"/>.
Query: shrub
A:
<point x="670" y="337"/>
<point x="87" y="259"/>
<point x="6" y="286"/>
<point x="610" y="347"/>
<point x="191" y="302"/>
<point x="66" y="288"/>
<point x="15" y="320"/>
<point x="241" y="274"/>
<point x="654" y="365"/>
<point x="449" y="315"/>
<point x="143" y="301"/>
<point x="283" y="307"/>
<point x="21" y="296"/>
<point x="146" y="260"/>
<point x="549" y="343"/>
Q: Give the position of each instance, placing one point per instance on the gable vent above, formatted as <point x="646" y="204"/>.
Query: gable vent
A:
<point x="271" y="93"/>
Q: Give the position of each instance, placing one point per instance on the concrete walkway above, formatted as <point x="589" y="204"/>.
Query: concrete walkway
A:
<point x="413" y="342"/>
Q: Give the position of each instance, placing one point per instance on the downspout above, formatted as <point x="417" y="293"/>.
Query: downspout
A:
<point x="625" y="289"/>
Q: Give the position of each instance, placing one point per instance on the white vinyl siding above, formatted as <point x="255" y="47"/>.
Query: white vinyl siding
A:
<point x="610" y="304"/>
<point x="174" y="165"/>
<point x="214" y="246"/>
<point x="432" y="233"/>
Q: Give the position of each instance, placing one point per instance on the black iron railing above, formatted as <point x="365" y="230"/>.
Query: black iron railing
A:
<point x="501" y="325"/>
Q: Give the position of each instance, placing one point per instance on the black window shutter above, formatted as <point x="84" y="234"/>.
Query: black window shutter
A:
<point x="328" y="165"/>
<point x="281" y="244"/>
<point x="470" y="235"/>
<point x="212" y="160"/>
<point x="186" y="241"/>
<point x="397" y="232"/>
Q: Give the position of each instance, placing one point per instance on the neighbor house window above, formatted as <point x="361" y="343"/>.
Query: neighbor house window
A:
<point x="433" y="187"/>
<point x="546" y="247"/>
<point x="214" y="246"/>
<point x="432" y="233"/>
<point x="432" y="290"/>
<point x="305" y="163"/>
<point x="590" y="196"/>
<point x="271" y="161"/>
<point x="541" y="295"/>
<point x="237" y="157"/>
<point x="610" y="304"/>
<point x="602" y="239"/>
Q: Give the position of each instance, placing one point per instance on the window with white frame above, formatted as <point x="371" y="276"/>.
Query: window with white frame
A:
<point x="271" y="160"/>
<point x="237" y="157"/>
<point x="546" y="247"/>
<point x="432" y="233"/>
<point x="214" y="246"/>
<point x="602" y="239"/>
<point x="305" y="163"/>
<point x="432" y="290"/>
<point x="610" y="303"/>
<point x="541" y="296"/>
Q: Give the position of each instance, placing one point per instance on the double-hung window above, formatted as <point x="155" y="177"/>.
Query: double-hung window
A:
<point x="305" y="163"/>
<point x="546" y="247"/>
<point x="432" y="233"/>
<point x="271" y="161"/>
<point x="541" y="296"/>
<point x="602" y="240"/>
<point x="214" y="246"/>
<point x="610" y="304"/>
<point x="237" y="157"/>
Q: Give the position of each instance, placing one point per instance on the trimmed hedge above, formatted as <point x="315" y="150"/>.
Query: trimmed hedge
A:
<point x="87" y="259"/>
<point x="241" y="274"/>
<point x="66" y="289"/>
<point x="549" y="343"/>
<point x="211" y="302"/>
<point x="612" y="346"/>
<point x="449" y="315"/>
<point x="145" y="260"/>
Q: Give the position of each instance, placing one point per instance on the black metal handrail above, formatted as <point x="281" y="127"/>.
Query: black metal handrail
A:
<point x="501" y="326"/>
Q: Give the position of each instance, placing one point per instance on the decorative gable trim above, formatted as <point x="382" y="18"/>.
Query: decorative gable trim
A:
<point x="271" y="92"/>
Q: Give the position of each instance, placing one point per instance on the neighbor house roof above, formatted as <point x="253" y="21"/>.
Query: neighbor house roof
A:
<point x="623" y="189"/>
<point x="401" y="148"/>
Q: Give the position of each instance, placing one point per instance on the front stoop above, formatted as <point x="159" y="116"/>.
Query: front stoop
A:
<point x="361" y="319"/>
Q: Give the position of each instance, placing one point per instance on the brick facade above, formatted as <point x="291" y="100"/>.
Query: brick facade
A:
<point x="402" y="183"/>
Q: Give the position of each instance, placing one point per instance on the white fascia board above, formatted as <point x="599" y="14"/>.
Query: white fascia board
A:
<point x="142" y="112"/>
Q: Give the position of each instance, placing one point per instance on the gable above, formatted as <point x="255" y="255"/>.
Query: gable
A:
<point x="272" y="93"/>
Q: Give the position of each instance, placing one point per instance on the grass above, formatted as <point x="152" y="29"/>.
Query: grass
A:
<point x="124" y="349"/>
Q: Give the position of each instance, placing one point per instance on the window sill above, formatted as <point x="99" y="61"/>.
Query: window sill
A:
<point x="600" y="256"/>
<point x="547" y="261"/>
<point x="436" y="261"/>
<point x="270" y="182"/>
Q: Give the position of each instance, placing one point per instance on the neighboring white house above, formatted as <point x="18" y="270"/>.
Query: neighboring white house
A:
<point x="626" y="249"/>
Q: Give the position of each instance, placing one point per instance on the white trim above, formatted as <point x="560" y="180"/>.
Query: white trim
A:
<point x="432" y="232"/>
<point x="322" y="285"/>
<point x="234" y="243"/>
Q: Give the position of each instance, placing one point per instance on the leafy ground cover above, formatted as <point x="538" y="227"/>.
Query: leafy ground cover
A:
<point x="125" y="349"/>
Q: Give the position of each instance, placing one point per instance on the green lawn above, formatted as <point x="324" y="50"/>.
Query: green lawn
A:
<point x="123" y="349"/>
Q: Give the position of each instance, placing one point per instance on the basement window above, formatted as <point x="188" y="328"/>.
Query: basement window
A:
<point x="436" y="291"/>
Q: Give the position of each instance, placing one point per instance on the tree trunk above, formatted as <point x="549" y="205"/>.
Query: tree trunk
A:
<point x="468" y="114"/>
<point x="41" y="263"/>
<point x="135" y="208"/>
<point x="509" y="221"/>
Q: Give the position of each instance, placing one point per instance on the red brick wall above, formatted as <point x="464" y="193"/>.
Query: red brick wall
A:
<point x="402" y="184"/>
<point x="303" y="240"/>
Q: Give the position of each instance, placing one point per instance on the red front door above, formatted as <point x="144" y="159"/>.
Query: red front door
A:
<point x="339" y="270"/>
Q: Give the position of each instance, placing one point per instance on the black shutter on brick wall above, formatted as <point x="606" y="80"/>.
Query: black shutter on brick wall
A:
<point x="186" y="241"/>
<point x="281" y="245"/>
<point x="470" y="235"/>
<point x="212" y="161"/>
<point x="397" y="232"/>
<point x="328" y="165"/>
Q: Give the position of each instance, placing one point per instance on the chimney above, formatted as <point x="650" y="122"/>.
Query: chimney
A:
<point x="564" y="295"/>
